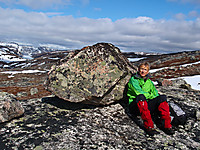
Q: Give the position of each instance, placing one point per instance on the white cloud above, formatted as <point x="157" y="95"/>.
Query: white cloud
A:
<point x="186" y="1"/>
<point x="191" y="15"/>
<point x="44" y="4"/>
<point x="132" y="34"/>
<point x="33" y="4"/>
<point x="97" y="9"/>
<point x="85" y="2"/>
<point x="191" y="1"/>
<point x="180" y="16"/>
<point x="194" y="14"/>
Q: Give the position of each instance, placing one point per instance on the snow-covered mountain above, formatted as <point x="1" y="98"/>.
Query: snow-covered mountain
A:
<point x="15" y="56"/>
<point x="13" y="52"/>
<point x="27" y="50"/>
<point x="10" y="52"/>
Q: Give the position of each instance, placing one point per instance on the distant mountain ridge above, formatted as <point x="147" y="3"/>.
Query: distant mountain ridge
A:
<point x="11" y="50"/>
<point x="15" y="56"/>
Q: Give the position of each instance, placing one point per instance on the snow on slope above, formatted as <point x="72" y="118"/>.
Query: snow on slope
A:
<point x="135" y="59"/>
<point x="9" y="52"/>
<point x="12" y="52"/>
<point x="11" y="45"/>
<point x="194" y="81"/>
<point x="7" y="58"/>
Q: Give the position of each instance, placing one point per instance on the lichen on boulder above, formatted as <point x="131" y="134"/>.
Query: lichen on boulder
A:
<point x="95" y="75"/>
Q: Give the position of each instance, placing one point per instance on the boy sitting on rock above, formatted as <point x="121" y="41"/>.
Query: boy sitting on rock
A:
<point x="143" y="94"/>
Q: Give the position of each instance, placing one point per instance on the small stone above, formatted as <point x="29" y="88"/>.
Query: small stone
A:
<point x="21" y="94"/>
<point x="198" y="115"/>
<point x="9" y="107"/>
<point x="38" y="148"/>
<point x="33" y="91"/>
<point x="166" y="82"/>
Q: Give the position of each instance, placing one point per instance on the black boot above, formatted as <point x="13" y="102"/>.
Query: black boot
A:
<point x="151" y="131"/>
<point x="168" y="131"/>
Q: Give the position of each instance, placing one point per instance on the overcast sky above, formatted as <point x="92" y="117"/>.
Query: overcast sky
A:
<point x="132" y="25"/>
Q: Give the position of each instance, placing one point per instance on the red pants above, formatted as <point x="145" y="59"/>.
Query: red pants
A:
<point x="157" y="104"/>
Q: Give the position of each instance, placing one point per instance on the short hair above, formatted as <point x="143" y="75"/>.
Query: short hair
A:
<point x="147" y="64"/>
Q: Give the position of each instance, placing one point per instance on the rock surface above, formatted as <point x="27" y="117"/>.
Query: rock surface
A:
<point x="95" y="75"/>
<point x="51" y="123"/>
<point x="9" y="107"/>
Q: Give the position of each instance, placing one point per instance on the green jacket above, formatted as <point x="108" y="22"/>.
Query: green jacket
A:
<point x="138" y="85"/>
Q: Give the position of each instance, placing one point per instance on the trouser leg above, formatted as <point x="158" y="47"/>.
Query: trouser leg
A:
<point x="163" y="108"/>
<point x="160" y="104"/>
<point x="144" y="111"/>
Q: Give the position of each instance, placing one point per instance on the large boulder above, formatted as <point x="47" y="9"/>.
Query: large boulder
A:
<point x="9" y="107"/>
<point x="94" y="75"/>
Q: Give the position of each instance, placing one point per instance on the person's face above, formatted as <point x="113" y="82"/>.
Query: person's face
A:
<point x="143" y="70"/>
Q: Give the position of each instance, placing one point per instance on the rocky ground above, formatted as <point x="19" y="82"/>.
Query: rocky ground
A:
<point x="51" y="123"/>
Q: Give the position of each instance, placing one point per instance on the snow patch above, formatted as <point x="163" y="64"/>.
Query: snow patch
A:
<point x="23" y="71"/>
<point x="27" y="57"/>
<point x="155" y="70"/>
<point x="135" y="59"/>
<point x="190" y="64"/>
<point x="194" y="81"/>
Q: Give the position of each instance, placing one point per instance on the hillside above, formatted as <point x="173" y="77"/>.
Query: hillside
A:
<point x="52" y="123"/>
<point x="19" y="76"/>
